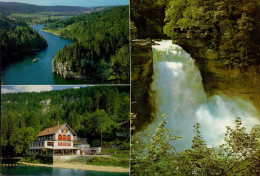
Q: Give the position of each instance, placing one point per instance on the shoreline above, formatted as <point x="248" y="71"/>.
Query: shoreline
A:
<point x="83" y="167"/>
<point x="51" y="32"/>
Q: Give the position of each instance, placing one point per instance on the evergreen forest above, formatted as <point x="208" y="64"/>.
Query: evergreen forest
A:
<point x="18" y="40"/>
<point x="101" y="52"/>
<point x="89" y="111"/>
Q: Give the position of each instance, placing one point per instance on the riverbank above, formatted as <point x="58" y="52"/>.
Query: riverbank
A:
<point x="82" y="167"/>
<point x="52" y="32"/>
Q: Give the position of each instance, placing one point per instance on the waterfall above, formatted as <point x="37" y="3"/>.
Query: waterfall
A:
<point x="179" y="93"/>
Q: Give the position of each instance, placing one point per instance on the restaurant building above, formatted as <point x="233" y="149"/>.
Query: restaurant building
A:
<point x="57" y="140"/>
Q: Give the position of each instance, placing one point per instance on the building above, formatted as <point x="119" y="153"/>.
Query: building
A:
<point x="57" y="140"/>
<point x="85" y="149"/>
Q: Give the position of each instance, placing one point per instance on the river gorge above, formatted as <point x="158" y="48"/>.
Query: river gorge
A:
<point x="25" y="72"/>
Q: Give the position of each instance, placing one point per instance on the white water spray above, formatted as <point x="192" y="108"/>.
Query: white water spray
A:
<point x="180" y="94"/>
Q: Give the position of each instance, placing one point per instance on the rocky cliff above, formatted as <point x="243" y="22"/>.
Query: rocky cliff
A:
<point x="219" y="77"/>
<point x="65" y="70"/>
<point x="141" y="78"/>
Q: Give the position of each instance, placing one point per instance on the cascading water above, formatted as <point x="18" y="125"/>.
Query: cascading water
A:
<point x="179" y="93"/>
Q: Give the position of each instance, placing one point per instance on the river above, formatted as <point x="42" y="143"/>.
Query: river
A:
<point x="37" y="170"/>
<point x="25" y="72"/>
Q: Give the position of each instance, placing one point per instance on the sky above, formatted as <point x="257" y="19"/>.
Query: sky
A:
<point x="83" y="3"/>
<point x="35" y="88"/>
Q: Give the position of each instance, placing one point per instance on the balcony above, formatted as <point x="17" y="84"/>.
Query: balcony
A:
<point x="52" y="145"/>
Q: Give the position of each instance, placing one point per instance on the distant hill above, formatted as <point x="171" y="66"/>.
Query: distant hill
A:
<point x="7" y="8"/>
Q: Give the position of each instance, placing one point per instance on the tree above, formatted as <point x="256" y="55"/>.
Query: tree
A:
<point x="239" y="155"/>
<point x="244" y="150"/>
<point x="159" y="153"/>
<point x="22" y="138"/>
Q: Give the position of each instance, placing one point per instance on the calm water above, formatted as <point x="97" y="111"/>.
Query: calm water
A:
<point x="36" y="170"/>
<point x="39" y="73"/>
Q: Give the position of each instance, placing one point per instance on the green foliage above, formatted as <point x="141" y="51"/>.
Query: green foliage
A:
<point x="31" y="159"/>
<point x="87" y="110"/>
<point x="37" y="159"/>
<point x="108" y="161"/>
<point x="147" y="17"/>
<point x="21" y="139"/>
<point x="101" y="52"/>
<point x="229" y="27"/>
<point x="17" y="40"/>
<point x="239" y="155"/>
<point x="120" y="68"/>
<point x="158" y="155"/>
<point x="244" y="149"/>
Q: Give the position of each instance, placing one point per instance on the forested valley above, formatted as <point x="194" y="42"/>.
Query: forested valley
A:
<point x="18" y="40"/>
<point x="88" y="111"/>
<point x="101" y="52"/>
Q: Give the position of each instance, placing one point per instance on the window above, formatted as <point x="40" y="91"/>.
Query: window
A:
<point x="59" y="144"/>
<point x="50" y="144"/>
<point x="69" y="144"/>
<point x="69" y="137"/>
<point x="64" y="143"/>
<point x="42" y="143"/>
<point x="60" y="137"/>
<point x="64" y="137"/>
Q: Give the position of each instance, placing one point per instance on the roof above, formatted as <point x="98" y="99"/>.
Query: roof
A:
<point x="52" y="130"/>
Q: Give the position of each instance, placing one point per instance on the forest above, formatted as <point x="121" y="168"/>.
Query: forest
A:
<point x="88" y="111"/>
<point x="229" y="30"/>
<point x="18" y="40"/>
<point x="101" y="52"/>
<point x="238" y="155"/>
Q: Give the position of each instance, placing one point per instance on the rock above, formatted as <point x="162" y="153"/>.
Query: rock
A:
<point x="65" y="70"/>
<point x="211" y="54"/>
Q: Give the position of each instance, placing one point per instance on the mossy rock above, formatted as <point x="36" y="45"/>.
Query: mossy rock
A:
<point x="211" y="54"/>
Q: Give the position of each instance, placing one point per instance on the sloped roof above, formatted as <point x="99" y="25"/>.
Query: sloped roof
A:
<point x="52" y="130"/>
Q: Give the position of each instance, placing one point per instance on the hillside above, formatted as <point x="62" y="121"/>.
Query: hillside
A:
<point x="86" y="110"/>
<point x="18" y="40"/>
<point x="14" y="7"/>
<point x="101" y="52"/>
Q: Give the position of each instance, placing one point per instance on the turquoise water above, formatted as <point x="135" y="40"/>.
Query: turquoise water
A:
<point x="36" y="170"/>
<point x="39" y="73"/>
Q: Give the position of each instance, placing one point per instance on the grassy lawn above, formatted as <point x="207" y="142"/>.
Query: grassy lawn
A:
<point x="116" y="157"/>
<point x="115" y="152"/>
<point x="108" y="161"/>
